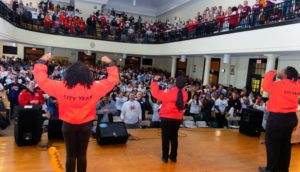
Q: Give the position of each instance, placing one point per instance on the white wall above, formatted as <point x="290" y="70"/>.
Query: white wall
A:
<point x="199" y="67"/>
<point x="163" y="62"/>
<point x="190" y="9"/>
<point x="1" y="49"/>
<point x="87" y="8"/>
<point x="239" y="79"/>
<point x="289" y="60"/>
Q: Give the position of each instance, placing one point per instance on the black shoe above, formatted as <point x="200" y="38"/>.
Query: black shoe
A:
<point x="173" y="159"/>
<point x="165" y="160"/>
<point x="263" y="169"/>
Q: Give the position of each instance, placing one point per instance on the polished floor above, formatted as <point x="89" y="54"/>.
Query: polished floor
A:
<point x="200" y="150"/>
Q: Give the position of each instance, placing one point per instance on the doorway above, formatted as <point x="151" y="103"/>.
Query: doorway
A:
<point x="133" y="62"/>
<point x="214" y="71"/>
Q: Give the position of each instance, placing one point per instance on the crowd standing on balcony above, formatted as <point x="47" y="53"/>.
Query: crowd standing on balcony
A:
<point x="111" y="25"/>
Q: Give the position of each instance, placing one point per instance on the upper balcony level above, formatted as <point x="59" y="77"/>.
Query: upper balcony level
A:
<point x="272" y="30"/>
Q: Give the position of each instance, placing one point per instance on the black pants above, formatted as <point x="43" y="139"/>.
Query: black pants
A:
<point x="76" y="138"/>
<point x="169" y="133"/>
<point x="278" y="140"/>
<point x="221" y="120"/>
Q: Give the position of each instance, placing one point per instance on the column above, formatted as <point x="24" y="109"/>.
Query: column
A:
<point x="271" y="61"/>
<point x="207" y="70"/>
<point x="174" y="66"/>
<point x="226" y="74"/>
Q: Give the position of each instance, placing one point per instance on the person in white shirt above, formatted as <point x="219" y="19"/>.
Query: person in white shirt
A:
<point x="156" y="105"/>
<point x="142" y="88"/>
<point x="120" y="100"/>
<point x="220" y="106"/>
<point x="259" y="104"/>
<point x="131" y="112"/>
<point x="246" y="102"/>
<point x="195" y="106"/>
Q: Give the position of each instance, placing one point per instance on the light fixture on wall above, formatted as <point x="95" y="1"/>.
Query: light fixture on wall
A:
<point x="223" y="70"/>
<point x="183" y="58"/>
<point x="14" y="44"/>
<point x="120" y="59"/>
<point x="226" y="58"/>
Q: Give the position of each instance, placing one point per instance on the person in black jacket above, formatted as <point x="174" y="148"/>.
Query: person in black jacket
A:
<point x="15" y="5"/>
<point x="234" y="103"/>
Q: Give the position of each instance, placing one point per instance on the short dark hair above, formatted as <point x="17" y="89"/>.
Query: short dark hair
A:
<point x="291" y="73"/>
<point x="78" y="73"/>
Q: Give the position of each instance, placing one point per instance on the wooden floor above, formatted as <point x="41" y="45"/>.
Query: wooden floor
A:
<point x="203" y="150"/>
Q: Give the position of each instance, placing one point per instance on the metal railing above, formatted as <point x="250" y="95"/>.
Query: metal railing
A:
<point x="272" y="15"/>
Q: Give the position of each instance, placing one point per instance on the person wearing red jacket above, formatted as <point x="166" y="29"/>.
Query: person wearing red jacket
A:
<point x="31" y="96"/>
<point x="282" y="106"/>
<point x="47" y="23"/>
<point x="233" y="19"/>
<point x="77" y="97"/>
<point x="171" y="114"/>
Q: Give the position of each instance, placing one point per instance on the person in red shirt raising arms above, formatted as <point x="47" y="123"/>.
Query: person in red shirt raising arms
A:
<point x="171" y="113"/>
<point x="282" y="106"/>
<point x="77" y="97"/>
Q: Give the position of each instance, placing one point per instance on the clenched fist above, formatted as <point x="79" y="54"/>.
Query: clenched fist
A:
<point x="106" y="59"/>
<point x="46" y="57"/>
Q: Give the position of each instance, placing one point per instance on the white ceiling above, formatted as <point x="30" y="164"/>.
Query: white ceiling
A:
<point x="151" y="8"/>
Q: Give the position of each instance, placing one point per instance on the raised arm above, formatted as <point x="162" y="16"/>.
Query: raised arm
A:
<point x="268" y="83"/>
<point x="156" y="92"/>
<point x="104" y="86"/>
<point x="51" y="87"/>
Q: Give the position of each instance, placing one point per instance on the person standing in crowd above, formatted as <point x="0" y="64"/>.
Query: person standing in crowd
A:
<point x="195" y="106"/>
<point x="77" y="97"/>
<point x="14" y="90"/>
<point x="120" y="100"/>
<point x="171" y="114"/>
<point x="234" y="104"/>
<point x="259" y="104"/>
<point x="131" y="112"/>
<point x="144" y="104"/>
<point x="156" y="106"/>
<point x="220" y="106"/>
<point x="106" y="109"/>
<point x="282" y="107"/>
<point x="31" y="96"/>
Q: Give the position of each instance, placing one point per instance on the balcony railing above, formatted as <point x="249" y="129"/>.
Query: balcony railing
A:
<point x="280" y="14"/>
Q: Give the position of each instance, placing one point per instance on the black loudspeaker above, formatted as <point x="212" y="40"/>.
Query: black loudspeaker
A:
<point x="251" y="121"/>
<point x="28" y="125"/>
<point x="111" y="133"/>
<point x="54" y="129"/>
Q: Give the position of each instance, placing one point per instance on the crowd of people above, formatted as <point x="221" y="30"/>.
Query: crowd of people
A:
<point x="111" y="25"/>
<point x="131" y="99"/>
<point x="133" y="94"/>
